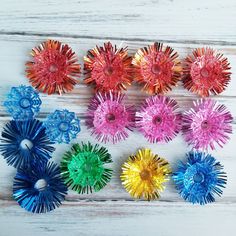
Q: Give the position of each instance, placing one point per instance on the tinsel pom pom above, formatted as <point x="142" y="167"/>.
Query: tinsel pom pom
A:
<point x="206" y="72"/>
<point x="25" y="143"/>
<point x="200" y="178"/>
<point x="62" y="126"/>
<point x="144" y="174"/>
<point x="83" y="168"/>
<point x="54" y="67"/>
<point x="109" y="118"/>
<point x="158" y="119"/>
<point x="207" y="124"/>
<point x="157" y="68"/>
<point x="108" y="68"/>
<point x="23" y="102"/>
<point x="39" y="189"/>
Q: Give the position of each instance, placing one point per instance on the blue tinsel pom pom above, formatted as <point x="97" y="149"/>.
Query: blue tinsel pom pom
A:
<point x="25" y="143"/>
<point x="200" y="178"/>
<point x="23" y="102"/>
<point x="62" y="126"/>
<point x="39" y="189"/>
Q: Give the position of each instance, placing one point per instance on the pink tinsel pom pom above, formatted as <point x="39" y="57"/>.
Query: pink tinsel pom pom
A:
<point x="158" y="119"/>
<point x="206" y="124"/>
<point x="109" y="118"/>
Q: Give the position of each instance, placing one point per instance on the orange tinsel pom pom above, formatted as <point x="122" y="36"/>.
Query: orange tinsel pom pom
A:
<point x="157" y="68"/>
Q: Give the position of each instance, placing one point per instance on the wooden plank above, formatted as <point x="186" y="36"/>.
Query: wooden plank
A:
<point x="120" y="219"/>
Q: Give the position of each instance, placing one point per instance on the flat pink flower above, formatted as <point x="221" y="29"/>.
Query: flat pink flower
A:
<point x="158" y="119"/>
<point x="108" y="117"/>
<point x="207" y="124"/>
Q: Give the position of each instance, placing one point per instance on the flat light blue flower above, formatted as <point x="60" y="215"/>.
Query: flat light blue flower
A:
<point x="62" y="126"/>
<point x="23" y="102"/>
<point x="200" y="178"/>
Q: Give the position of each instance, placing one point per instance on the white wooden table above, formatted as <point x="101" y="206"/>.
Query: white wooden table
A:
<point x="184" y="25"/>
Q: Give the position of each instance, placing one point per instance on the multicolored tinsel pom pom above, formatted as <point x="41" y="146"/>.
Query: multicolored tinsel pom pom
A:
<point x="158" y="119"/>
<point x="108" y="117"/>
<point x="23" y="102"/>
<point x="39" y="189"/>
<point x="144" y="174"/>
<point x="108" y="68"/>
<point x="206" y="72"/>
<point x="200" y="178"/>
<point x="83" y="168"/>
<point x="206" y="124"/>
<point x="25" y="143"/>
<point x="157" y="68"/>
<point x="62" y="126"/>
<point x="54" y="67"/>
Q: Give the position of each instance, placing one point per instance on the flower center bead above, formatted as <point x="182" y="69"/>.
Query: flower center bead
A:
<point x="204" y="72"/>
<point x="25" y="103"/>
<point x="205" y="124"/>
<point x="41" y="185"/>
<point x="110" y="117"/>
<point x="156" y="120"/>
<point x="156" y="69"/>
<point x="26" y="144"/>
<point x="145" y="175"/>
<point x="108" y="70"/>
<point x="53" y="68"/>
<point x="64" y="126"/>
<point x="198" y="178"/>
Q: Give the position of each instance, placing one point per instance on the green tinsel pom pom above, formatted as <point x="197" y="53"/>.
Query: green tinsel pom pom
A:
<point x="83" y="168"/>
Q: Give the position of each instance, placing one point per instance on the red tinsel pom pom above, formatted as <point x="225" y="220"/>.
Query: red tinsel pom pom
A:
<point x="206" y="72"/>
<point x="54" y="67"/>
<point x="108" y="68"/>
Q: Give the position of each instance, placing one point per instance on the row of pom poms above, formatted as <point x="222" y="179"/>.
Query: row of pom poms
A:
<point x="39" y="186"/>
<point x="54" y="68"/>
<point x="204" y="126"/>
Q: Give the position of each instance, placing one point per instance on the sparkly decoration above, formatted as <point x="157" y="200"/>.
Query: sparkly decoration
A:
<point x="62" y="126"/>
<point x="207" y="124"/>
<point x="158" y="119"/>
<point x="23" y="102"/>
<point x="108" y="68"/>
<point x="200" y="178"/>
<point x="157" y="68"/>
<point x="206" y="72"/>
<point x="108" y="117"/>
<point x="83" y="168"/>
<point x="54" y="68"/>
<point x="39" y="189"/>
<point x="144" y="174"/>
<point x="25" y="143"/>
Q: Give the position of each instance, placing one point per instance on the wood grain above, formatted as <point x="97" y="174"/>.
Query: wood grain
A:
<point x="184" y="25"/>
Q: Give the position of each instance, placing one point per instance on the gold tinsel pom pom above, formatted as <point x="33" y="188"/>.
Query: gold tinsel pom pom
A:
<point x="144" y="174"/>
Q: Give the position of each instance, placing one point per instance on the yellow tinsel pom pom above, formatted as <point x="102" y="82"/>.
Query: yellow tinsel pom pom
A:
<point x="144" y="173"/>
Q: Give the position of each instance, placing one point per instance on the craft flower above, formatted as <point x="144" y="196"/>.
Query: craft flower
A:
<point x="62" y="126"/>
<point x="108" y="117"/>
<point x="206" y="72"/>
<point x="108" y="68"/>
<point x="206" y="124"/>
<point x="54" y="67"/>
<point x="144" y="174"/>
<point x="157" y="68"/>
<point x="23" y="102"/>
<point x="158" y="119"/>
<point x="200" y="178"/>
<point x="83" y="168"/>
<point x="39" y="189"/>
<point x="24" y="143"/>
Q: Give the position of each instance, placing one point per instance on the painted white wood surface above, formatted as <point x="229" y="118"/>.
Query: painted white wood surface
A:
<point x="182" y="24"/>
